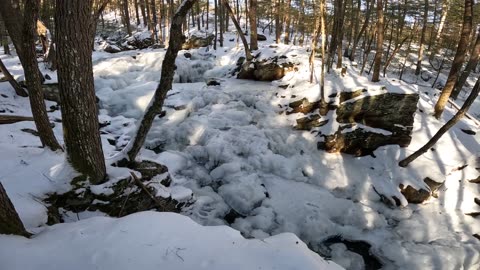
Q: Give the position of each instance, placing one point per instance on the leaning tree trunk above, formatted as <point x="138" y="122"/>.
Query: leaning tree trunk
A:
<point x="28" y="57"/>
<point x="252" y="14"/>
<point x="472" y="63"/>
<point x="422" y="39"/>
<point x="248" y="55"/>
<point x="18" y="89"/>
<point x="471" y="98"/>
<point x="379" y="52"/>
<point x="166" y="80"/>
<point x="458" y="60"/>
<point x="77" y="93"/>
<point x="10" y="222"/>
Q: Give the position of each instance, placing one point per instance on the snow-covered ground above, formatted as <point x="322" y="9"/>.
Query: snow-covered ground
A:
<point x="237" y="153"/>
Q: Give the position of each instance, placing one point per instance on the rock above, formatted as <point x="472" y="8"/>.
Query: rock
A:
<point x="265" y="70"/>
<point x="469" y="131"/>
<point x="141" y="40"/>
<point x="187" y="55"/>
<point x="212" y="82"/>
<point x="51" y="92"/>
<point x="309" y="122"/>
<point x="304" y="106"/>
<point x="112" y="48"/>
<point x="261" y="37"/>
<point x="196" y="42"/>
<point x="158" y="46"/>
<point x="392" y="113"/>
<point x="127" y="196"/>
<point x="419" y="196"/>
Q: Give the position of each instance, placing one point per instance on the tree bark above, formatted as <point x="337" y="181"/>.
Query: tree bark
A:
<point x="126" y="16"/>
<point x="28" y="58"/>
<point x="4" y="37"/>
<point x="77" y="93"/>
<point x="471" y="98"/>
<point x="286" y="39"/>
<point x="362" y="30"/>
<point x="10" y="222"/>
<point x="422" y="39"/>
<point x="18" y="89"/>
<point x="248" y="55"/>
<point x="379" y="51"/>
<point x="458" y="60"/>
<point x="252" y="14"/>
<point x="472" y="63"/>
<point x="438" y="36"/>
<point x="166" y="80"/>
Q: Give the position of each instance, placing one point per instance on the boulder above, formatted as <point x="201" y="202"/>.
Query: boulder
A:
<point x="112" y="48"/>
<point x="141" y="40"/>
<point x="419" y="196"/>
<point x="197" y="41"/>
<point x="270" y="69"/>
<point x="261" y="37"/>
<point x="370" y="122"/>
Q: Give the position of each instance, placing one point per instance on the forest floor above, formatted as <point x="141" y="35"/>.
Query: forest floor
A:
<point x="234" y="157"/>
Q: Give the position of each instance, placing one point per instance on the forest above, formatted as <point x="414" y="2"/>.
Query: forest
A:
<point x="239" y="134"/>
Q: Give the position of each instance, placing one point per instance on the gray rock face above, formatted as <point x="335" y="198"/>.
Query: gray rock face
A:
<point x="391" y="112"/>
<point x="196" y="42"/>
<point x="265" y="70"/>
<point x="261" y="37"/>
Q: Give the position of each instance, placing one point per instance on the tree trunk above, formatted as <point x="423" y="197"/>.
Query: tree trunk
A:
<point x="458" y="60"/>
<point x="137" y="14"/>
<point x="286" y="39"/>
<point x="18" y="89"/>
<point x="216" y="24"/>
<point x="28" y="58"/>
<point x="339" y="34"/>
<point x="126" y="16"/>
<point x="278" y="26"/>
<point x="4" y="37"/>
<point x="144" y="15"/>
<point x="471" y="98"/>
<point x="472" y="63"/>
<point x="166" y="80"/>
<point x="379" y="52"/>
<point x="438" y="36"/>
<point x="362" y="30"/>
<point x="252" y="14"/>
<point x="77" y="93"/>
<point x="324" y="39"/>
<point x="10" y="222"/>
<point x="422" y="39"/>
<point x="248" y="55"/>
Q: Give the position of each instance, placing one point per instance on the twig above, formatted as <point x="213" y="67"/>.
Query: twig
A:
<point x="141" y="185"/>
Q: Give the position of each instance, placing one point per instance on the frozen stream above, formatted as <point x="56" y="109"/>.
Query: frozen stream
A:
<point x="247" y="167"/>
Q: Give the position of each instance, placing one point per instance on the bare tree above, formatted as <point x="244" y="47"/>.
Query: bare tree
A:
<point x="252" y="14"/>
<point x="379" y="52"/>
<point x="77" y="93"/>
<point x="422" y="39"/>
<point x="166" y="80"/>
<point x="22" y="30"/>
<point x="18" y="89"/>
<point x="472" y="63"/>
<point x="459" y="115"/>
<point x="10" y="222"/>
<point x="458" y="60"/>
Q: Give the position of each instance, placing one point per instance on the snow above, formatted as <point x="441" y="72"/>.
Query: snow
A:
<point x="230" y="147"/>
<point x="150" y="240"/>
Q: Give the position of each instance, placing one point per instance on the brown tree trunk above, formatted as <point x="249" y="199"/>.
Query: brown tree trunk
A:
<point x="248" y="55"/>
<point x="471" y="98"/>
<point x="458" y="60"/>
<point x="166" y="80"/>
<point x="10" y="222"/>
<point x="4" y="37"/>
<point x="379" y="52"/>
<point x="278" y="26"/>
<point x="77" y="93"/>
<point x="422" y="39"/>
<point x="142" y="10"/>
<point x="215" y="19"/>
<point x="438" y="36"/>
<point x="341" y="9"/>
<point x="28" y="58"/>
<point x="126" y="16"/>
<point x="286" y="39"/>
<point x="137" y="14"/>
<point x="362" y="30"/>
<point x="252" y="14"/>
<point x="18" y="89"/>
<point x="472" y="63"/>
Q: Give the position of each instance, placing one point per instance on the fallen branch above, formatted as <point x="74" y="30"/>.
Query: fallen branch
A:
<point x="139" y="183"/>
<point x="10" y="119"/>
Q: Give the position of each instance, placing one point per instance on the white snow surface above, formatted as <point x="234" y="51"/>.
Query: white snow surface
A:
<point x="152" y="240"/>
<point x="233" y="150"/>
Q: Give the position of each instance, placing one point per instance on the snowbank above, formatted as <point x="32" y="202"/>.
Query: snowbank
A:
<point x="152" y="240"/>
